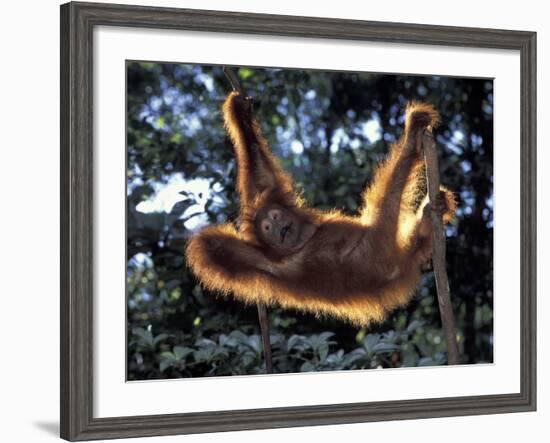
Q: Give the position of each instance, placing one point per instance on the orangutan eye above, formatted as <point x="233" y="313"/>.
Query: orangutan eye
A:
<point x="274" y="214"/>
<point x="266" y="226"/>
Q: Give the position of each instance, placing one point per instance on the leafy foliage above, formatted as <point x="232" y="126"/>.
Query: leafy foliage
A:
<point x="329" y="130"/>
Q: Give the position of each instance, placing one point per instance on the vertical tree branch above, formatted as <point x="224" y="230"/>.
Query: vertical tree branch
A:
<point x="441" y="280"/>
<point x="264" y="328"/>
<point x="233" y="79"/>
<point x="262" y="310"/>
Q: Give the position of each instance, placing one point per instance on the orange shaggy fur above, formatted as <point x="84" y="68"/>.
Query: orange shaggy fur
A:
<point x="354" y="268"/>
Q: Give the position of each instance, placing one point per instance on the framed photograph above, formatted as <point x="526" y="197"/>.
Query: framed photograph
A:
<point x="272" y="221"/>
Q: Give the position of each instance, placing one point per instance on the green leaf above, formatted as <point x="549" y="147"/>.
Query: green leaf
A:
<point x="413" y="326"/>
<point x="293" y="341"/>
<point x="239" y="336"/>
<point x="254" y="342"/>
<point x="355" y="356"/>
<point x="385" y="347"/>
<point x="145" y="336"/>
<point x="181" y="352"/>
<point x="205" y="343"/>
<point x="426" y="361"/>
<point x="203" y="355"/>
<point x="370" y="342"/>
<point x="324" y="336"/>
<point x="176" y="138"/>
<point x="225" y="340"/>
<point x="360" y="335"/>
<point x="159" y="122"/>
<point x="410" y="360"/>
<point x="164" y="364"/>
<point x="159" y="338"/>
<point x="245" y="73"/>
<point x="323" y="352"/>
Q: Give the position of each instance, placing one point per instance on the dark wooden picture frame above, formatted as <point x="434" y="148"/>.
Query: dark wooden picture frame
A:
<point x="77" y="23"/>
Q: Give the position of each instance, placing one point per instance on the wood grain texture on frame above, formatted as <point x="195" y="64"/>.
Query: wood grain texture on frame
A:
<point x="77" y="23"/>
